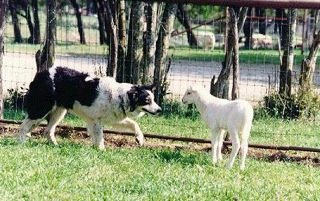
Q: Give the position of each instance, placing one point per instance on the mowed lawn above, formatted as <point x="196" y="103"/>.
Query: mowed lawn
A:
<point x="76" y="171"/>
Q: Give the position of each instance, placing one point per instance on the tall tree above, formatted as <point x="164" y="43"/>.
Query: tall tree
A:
<point x="150" y="41"/>
<point x="15" y="22"/>
<point x="162" y="47"/>
<point x="100" y="13"/>
<point x="183" y="18"/>
<point x="221" y="88"/>
<point x="3" y="5"/>
<point x="36" y="21"/>
<point x="122" y="46"/>
<point x="133" y="71"/>
<point x="309" y="63"/>
<point x="77" y="10"/>
<point x="281" y="26"/>
<point x="112" y="25"/>
<point x="45" y="57"/>
<point x="286" y="66"/>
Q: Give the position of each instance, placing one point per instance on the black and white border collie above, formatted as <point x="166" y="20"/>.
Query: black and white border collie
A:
<point x="98" y="101"/>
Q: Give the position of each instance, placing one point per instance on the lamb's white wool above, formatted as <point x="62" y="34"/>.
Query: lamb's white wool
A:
<point x="223" y="115"/>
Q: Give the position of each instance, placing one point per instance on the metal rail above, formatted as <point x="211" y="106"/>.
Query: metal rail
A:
<point x="181" y="139"/>
<point x="302" y="4"/>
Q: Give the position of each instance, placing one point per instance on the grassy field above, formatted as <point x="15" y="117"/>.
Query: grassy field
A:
<point x="76" y="171"/>
<point x="38" y="171"/>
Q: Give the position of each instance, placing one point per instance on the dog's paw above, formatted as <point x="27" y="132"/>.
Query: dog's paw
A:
<point x="140" y="140"/>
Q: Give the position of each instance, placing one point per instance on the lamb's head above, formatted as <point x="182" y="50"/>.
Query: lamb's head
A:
<point x="142" y="100"/>
<point x="189" y="96"/>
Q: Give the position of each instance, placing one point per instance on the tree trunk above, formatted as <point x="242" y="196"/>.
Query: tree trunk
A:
<point x="36" y="21"/>
<point x="308" y="65"/>
<point x="45" y="58"/>
<point x="285" y="87"/>
<point x="113" y="35"/>
<point x="281" y="26"/>
<point x="76" y="8"/>
<point x="221" y="87"/>
<point x="100" y="13"/>
<point x="247" y="30"/>
<point x="122" y="48"/>
<point x="133" y="72"/>
<point x="150" y="42"/>
<point x="15" y="22"/>
<point x="30" y="24"/>
<point x="3" y="5"/>
<point x="261" y="12"/>
<point x="235" y="55"/>
<point x="162" y="47"/>
<point x="183" y="18"/>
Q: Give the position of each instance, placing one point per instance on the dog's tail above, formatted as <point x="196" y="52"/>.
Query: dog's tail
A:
<point x="39" y="100"/>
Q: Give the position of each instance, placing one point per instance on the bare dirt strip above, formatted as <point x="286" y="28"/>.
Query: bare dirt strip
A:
<point x="303" y="158"/>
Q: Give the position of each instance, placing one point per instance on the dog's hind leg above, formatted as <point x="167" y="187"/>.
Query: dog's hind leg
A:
<point x="95" y="130"/>
<point x="26" y="127"/>
<point x="54" y="119"/>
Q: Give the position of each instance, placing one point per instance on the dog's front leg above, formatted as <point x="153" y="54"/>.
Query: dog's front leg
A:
<point x="129" y="124"/>
<point x="95" y="129"/>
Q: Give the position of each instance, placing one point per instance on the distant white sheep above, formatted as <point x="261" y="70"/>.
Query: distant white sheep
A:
<point x="223" y="115"/>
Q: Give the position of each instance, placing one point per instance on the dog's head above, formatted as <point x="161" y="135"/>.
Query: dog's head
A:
<point x="141" y="99"/>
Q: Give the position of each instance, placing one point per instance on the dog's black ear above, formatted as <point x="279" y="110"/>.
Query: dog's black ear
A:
<point x="133" y="92"/>
<point x="150" y="87"/>
<point x="133" y="97"/>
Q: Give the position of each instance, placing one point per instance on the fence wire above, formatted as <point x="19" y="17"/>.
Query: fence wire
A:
<point x="259" y="65"/>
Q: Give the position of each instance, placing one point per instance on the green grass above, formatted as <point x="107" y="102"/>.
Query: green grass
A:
<point x="245" y="56"/>
<point x="257" y="57"/>
<point x="76" y="171"/>
<point x="37" y="171"/>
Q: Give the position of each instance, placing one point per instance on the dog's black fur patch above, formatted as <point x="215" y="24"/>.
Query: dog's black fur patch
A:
<point x="70" y="85"/>
<point x="67" y="87"/>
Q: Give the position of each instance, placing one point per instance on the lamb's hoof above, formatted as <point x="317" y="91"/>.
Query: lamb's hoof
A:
<point x="140" y="140"/>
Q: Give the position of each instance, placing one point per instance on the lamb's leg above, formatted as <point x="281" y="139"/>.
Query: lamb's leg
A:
<point x="214" y="144"/>
<point x="243" y="153"/>
<point x="220" y="144"/>
<point x="55" y="117"/>
<point x="133" y="126"/>
<point x="26" y="127"/>
<point x="244" y="145"/>
<point x="235" y="148"/>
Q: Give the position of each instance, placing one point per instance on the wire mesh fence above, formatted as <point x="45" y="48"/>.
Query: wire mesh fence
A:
<point x="260" y="59"/>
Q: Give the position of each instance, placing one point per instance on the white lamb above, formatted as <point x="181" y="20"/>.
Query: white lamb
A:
<point x="223" y="115"/>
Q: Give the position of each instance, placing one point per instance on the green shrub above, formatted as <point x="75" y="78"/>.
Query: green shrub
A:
<point x="15" y="98"/>
<point x="174" y="108"/>
<point x="301" y="104"/>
